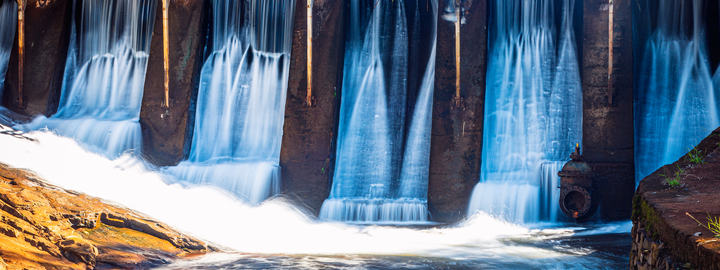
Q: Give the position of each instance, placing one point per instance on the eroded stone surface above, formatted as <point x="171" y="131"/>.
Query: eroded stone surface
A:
<point x="46" y="227"/>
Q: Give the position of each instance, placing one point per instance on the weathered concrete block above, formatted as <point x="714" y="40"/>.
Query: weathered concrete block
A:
<point x="168" y="131"/>
<point x="456" y="143"/>
<point x="47" y="36"/>
<point x="608" y="129"/>
<point x="308" y="148"/>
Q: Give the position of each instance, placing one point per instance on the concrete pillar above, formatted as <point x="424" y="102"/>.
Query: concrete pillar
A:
<point x="456" y="143"/>
<point x="308" y="147"/>
<point x="167" y="131"/>
<point x="608" y="143"/>
<point x="47" y="36"/>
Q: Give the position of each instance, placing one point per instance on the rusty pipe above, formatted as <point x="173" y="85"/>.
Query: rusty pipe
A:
<point x="308" y="98"/>
<point x="166" y="52"/>
<point x="611" y="37"/>
<point x="21" y="50"/>
<point x="458" y="98"/>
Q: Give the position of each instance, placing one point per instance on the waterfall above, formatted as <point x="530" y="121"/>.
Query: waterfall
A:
<point x="675" y="97"/>
<point x="533" y="110"/>
<point x="241" y="101"/>
<point x="381" y="172"/>
<point x="104" y="76"/>
<point x="8" y="25"/>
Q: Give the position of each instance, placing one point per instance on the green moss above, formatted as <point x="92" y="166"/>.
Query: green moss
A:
<point x="642" y="211"/>
<point x="651" y="218"/>
<point x="637" y="210"/>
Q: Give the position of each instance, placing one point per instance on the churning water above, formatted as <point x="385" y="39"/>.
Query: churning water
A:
<point x="241" y="101"/>
<point x="533" y="111"/>
<point x="383" y="148"/>
<point x="381" y="173"/>
<point x="104" y="76"/>
<point x="276" y="234"/>
<point x="675" y="93"/>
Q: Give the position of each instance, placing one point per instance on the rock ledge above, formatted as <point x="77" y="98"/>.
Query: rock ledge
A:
<point x="46" y="227"/>
<point x="664" y="237"/>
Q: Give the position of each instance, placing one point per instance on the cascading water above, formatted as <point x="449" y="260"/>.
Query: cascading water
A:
<point x="533" y="111"/>
<point x="104" y="76"/>
<point x="288" y="238"/>
<point x="381" y="173"/>
<point x="675" y="97"/>
<point x="241" y="101"/>
<point x="8" y="25"/>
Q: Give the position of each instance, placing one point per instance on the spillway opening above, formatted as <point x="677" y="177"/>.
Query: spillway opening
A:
<point x="240" y="106"/>
<point x="383" y="142"/>
<point x="533" y="108"/>
<point x="104" y="76"/>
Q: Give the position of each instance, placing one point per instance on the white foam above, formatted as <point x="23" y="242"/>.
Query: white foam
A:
<point x="273" y="227"/>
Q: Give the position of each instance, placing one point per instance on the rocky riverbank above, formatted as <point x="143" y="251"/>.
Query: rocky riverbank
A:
<point x="46" y="227"/>
<point x="664" y="236"/>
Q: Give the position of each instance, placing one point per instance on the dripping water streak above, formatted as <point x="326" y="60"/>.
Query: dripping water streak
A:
<point x="241" y="101"/>
<point x="675" y="93"/>
<point x="533" y="113"/>
<point x="104" y="76"/>
<point x="381" y="175"/>
<point x="8" y="25"/>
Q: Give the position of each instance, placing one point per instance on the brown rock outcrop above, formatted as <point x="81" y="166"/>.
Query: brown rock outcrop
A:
<point x="46" y="227"/>
<point x="662" y="231"/>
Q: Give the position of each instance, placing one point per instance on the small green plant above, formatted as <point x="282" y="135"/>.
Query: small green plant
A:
<point x="695" y="155"/>
<point x="674" y="181"/>
<point x="713" y="224"/>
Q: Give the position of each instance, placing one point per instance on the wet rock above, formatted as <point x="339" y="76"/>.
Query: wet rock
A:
<point x="665" y="229"/>
<point x="112" y="220"/>
<point x="79" y="222"/>
<point x="77" y="249"/>
<point x="8" y="230"/>
<point x="43" y="244"/>
<point x="646" y="244"/>
<point x="43" y="226"/>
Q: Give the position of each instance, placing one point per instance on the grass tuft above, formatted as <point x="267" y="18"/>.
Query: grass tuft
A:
<point x="695" y="155"/>
<point x="713" y="224"/>
<point x="674" y="181"/>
